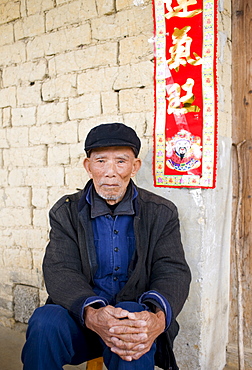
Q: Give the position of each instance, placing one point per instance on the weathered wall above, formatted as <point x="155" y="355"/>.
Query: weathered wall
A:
<point x="205" y="217"/>
<point x="65" y="67"/>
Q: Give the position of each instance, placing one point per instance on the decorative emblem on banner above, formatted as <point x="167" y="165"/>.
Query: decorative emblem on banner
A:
<point x="185" y="131"/>
<point x="183" y="151"/>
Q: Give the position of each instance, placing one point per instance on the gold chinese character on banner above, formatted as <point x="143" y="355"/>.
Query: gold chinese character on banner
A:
<point x="181" y="105"/>
<point x="180" y="52"/>
<point x="181" y="10"/>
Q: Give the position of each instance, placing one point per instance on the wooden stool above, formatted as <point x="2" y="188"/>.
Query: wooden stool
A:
<point x="95" y="364"/>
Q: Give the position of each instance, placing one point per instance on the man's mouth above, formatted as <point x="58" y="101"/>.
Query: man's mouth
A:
<point x="110" y="185"/>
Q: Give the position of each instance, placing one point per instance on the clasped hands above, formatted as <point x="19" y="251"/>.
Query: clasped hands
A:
<point x="128" y="334"/>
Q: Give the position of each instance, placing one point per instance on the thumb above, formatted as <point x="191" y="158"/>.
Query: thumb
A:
<point x="118" y="312"/>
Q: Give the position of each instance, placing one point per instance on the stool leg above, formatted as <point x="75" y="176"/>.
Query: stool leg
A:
<point x="95" y="364"/>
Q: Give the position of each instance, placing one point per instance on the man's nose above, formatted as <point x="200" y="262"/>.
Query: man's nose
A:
<point x="110" y="169"/>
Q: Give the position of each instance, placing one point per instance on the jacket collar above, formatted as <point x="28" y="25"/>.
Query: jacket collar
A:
<point x="99" y="206"/>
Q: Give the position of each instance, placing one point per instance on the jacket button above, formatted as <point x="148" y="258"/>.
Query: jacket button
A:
<point x="115" y="278"/>
<point x="116" y="249"/>
<point x="117" y="268"/>
<point x="116" y="231"/>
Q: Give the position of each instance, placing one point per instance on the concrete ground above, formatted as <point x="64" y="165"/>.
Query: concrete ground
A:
<point x="11" y="344"/>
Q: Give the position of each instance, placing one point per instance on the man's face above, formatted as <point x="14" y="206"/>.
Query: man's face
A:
<point x="111" y="169"/>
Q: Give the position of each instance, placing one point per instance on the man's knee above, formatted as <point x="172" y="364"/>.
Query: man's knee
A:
<point x="48" y="317"/>
<point x="132" y="306"/>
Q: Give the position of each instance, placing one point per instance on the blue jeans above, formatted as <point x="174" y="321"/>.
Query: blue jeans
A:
<point x="54" y="339"/>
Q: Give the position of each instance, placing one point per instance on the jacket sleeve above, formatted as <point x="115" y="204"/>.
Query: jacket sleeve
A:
<point x="65" y="281"/>
<point x="170" y="273"/>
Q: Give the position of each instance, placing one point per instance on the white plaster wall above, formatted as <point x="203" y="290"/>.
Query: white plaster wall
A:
<point x="205" y="217"/>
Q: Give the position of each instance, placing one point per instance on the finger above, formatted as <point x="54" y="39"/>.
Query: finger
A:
<point x="122" y="345"/>
<point x="120" y="330"/>
<point x="143" y="315"/>
<point x="128" y="353"/>
<point x="127" y="340"/>
<point x="126" y="358"/>
<point x="139" y="353"/>
<point x="117" y="312"/>
<point x="127" y="324"/>
<point x="136" y="356"/>
<point x="132" y="316"/>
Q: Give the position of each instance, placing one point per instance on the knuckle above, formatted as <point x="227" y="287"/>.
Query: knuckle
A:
<point x="127" y="346"/>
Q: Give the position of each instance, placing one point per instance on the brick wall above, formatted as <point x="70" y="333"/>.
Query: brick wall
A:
<point x="64" y="67"/>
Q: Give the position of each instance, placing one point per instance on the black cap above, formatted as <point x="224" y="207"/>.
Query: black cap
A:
<point x="112" y="134"/>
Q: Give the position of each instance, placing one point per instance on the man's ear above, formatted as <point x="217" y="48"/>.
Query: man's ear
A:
<point x="86" y="165"/>
<point x="136" y="166"/>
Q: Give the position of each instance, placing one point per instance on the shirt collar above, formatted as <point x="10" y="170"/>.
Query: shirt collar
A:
<point x="99" y="206"/>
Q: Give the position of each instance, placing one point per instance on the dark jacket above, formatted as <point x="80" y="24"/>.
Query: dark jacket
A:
<point x="159" y="263"/>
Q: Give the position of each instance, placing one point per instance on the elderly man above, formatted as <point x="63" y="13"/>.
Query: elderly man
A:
<point x="114" y="268"/>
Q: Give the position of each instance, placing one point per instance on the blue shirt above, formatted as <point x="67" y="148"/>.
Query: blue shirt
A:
<point x="114" y="241"/>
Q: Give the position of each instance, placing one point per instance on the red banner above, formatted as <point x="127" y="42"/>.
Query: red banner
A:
<point x="185" y="130"/>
